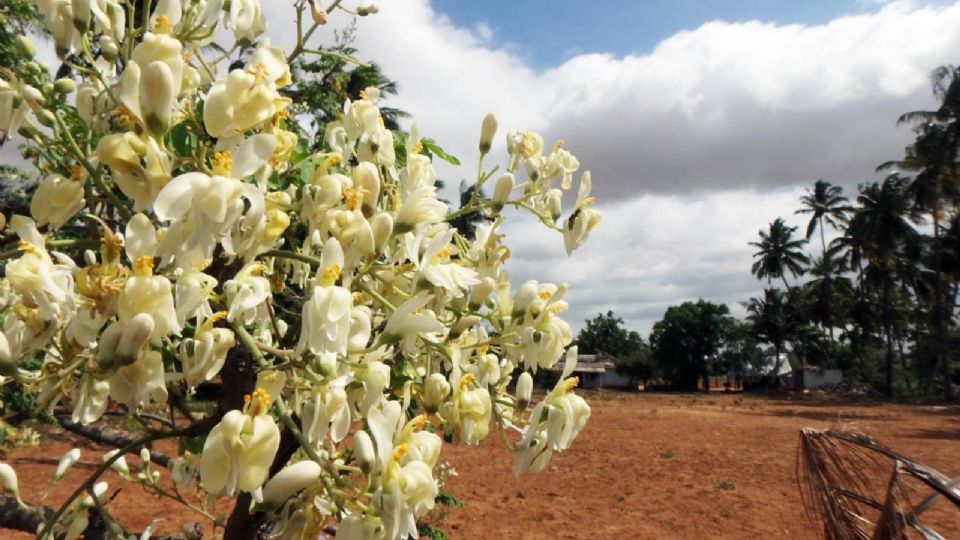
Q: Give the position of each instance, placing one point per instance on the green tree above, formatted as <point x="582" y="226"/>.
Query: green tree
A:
<point x="825" y="204"/>
<point x="778" y="253"/>
<point x="605" y="333"/>
<point x="686" y="343"/>
<point x="882" y="228"/>
<point x="935" y="187"/>
<point x="773" y="322"/>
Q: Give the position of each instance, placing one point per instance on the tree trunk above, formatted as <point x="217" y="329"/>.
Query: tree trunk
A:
<point x="888" y="332"/>
<point x="939" y="314"/>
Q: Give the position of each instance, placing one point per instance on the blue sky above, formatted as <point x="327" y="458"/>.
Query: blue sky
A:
<point x="548" y="33"/>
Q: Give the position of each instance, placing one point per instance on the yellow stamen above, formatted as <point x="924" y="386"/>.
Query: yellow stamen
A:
<point x="558" y="144"/>
<point x="256" y="403"/>
<point x="162" y="25"/>
<point x="203" y="265"/>
<point x="259" y="71"/>
<point x="571" y="383"/>
<point x="186" y="56"/>
<point x="399" y="452"/>
<point x="218" y="316"/>
<point x="483" y="349"/>
<point x="353" y="197"/>
<point x="125" y="116"/>
<point x="419" y="422"/>
<point x="357" y="298"/>
<point x="417" y="148"/>
<point x="143" y="262"/>
<point x="363" y="95"/>
<point x="26" y="247"/>
<point x="545" y="295"/>
<point x="222" y="163"/>
<point x="331" y="273"/>
<point x="77" y="172"/>
<point x="466" y="380"/>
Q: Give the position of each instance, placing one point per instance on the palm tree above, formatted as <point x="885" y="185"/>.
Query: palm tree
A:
<point x="936" y="185"/>
<point x="880" y="227"/>
<point x="825" y="203"/>
<point x="779" y="253"/>
<point x="829" y="292"/>
<point x="771" y="321"/>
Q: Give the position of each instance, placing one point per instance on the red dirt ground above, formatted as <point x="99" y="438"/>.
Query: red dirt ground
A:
<point x="646" y="466"/>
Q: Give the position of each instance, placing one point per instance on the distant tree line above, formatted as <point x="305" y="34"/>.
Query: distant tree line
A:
<point x="878" y="300"/>
<point x="874" y="293"/>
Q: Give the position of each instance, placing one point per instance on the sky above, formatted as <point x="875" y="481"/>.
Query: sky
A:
<point x="701" y="120"/>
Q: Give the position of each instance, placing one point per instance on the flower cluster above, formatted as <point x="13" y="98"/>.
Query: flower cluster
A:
<point x="182" y="238"/>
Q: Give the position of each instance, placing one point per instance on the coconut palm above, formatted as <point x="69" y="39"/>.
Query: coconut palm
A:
<point x="778" y="253"/>
<point x="935" y="186"/>
<point x="829" y="292"/>
<point x="880" y="227"/>
<point x="771" y="321"/>
<point x="825" y="203"/>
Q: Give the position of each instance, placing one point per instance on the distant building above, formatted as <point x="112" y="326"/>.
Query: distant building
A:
<point x="598" y="371"/>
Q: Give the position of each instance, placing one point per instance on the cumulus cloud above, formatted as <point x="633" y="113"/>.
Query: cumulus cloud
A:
<point x="701" y="142"/>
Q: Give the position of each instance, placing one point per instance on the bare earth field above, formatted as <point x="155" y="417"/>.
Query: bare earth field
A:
<point x="646" y="466"/>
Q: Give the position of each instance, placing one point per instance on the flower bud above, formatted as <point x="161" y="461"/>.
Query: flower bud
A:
<point x="145" y="457"/>
<point x="160" y="93"/>
<point x="435" y="390"/>
<point x="554" y="201"/>
<point x="382" y="227"/>
<point x="109" y="49"/>
<point x="66" y="462"/>
<point x="8" y="365"/>
<point x="487" y="132"/>
<point x="81" y="15"/>
<point x="318" y="14"/>
<point x="367" y="178"/>
<point x="64" y="85"/>
<point x="524" y="297"/>
<point x="137" y="332"/>
<point x="109" y="340"/>
<point x="8" y="480"/>
<point x="327" y="363"/>
<point x="363" y="451"/>
<point x="289" y="481"/>
<point x="481" y="292"/>
<point x="524" y="389"/>
<point x="46" y="118"/>
<point x="501" y="191"/>
<point x="369" y="8"/>
<point x="120" y="465"/>
<point x="25" y="47"/>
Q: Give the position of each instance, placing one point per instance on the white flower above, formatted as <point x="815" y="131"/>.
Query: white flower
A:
<point x="240" y="449"/>
<point x="203" y="355"/>
<point x="435" y="390"/>
<point x="326" y="315"/>
<point x="243" y="100"/>
<point x="56" y="200"/>
<point x="420" y="207"/>
<point x="140" y="382"/>
<point x="289" y="481"/>
<point x="583" y="219"/>
<point x="138" y="164"/>
<point x="326" y="413"/>
<point x="34" y="275"/>
<point x="67" y="461"/>
<point x="202" y="209"/>
<point x="90" y="400"/>
<point x="407" y="322"/>
<point x="246" y="293"/>
<point x="150" y="294"/>
<point x="555" y="422"/>
<point x="246" y="19"/>
<point x="437" y="268"/>
<point x="8" y="480"/>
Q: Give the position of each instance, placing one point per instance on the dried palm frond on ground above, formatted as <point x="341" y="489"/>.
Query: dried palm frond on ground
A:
<point x="859" y="489"/>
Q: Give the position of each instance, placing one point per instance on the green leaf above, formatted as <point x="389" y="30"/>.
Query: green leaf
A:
<point x="180" y="139"/>
<point x="301" y="151"/>
<point x="448" y="499"/>
<point x="431" y="146"/>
